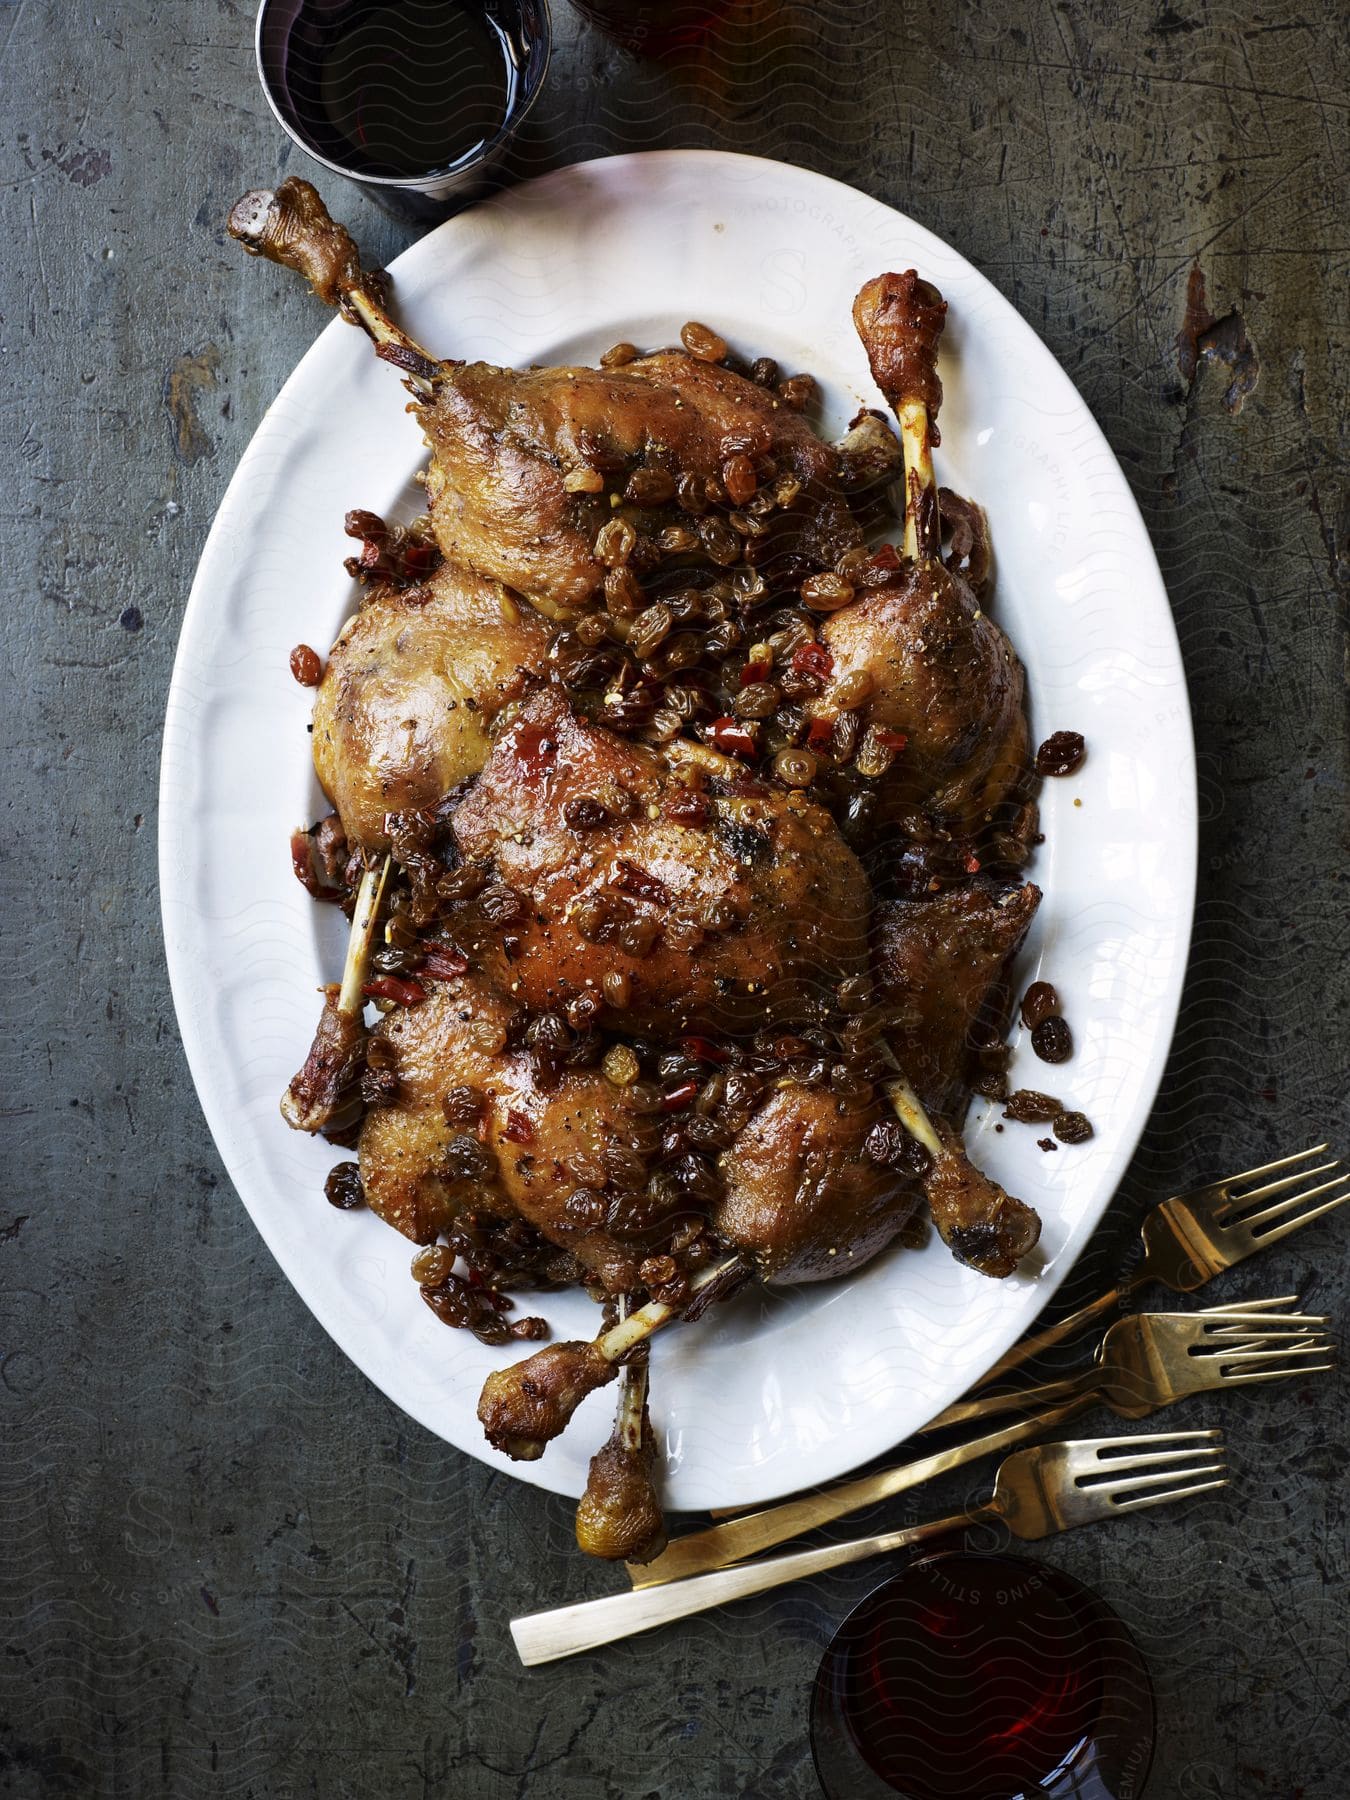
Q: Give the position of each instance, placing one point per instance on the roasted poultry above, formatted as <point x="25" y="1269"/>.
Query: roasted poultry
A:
<point x="682" y="830"/>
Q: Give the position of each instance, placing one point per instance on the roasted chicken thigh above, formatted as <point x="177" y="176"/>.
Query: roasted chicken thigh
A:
<point x="411" y="690"/>
<point x="678" y="908"/>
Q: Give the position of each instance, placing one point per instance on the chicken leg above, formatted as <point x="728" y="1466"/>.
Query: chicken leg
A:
<point x="946" y="690"/>
<point x="544" y="478"/>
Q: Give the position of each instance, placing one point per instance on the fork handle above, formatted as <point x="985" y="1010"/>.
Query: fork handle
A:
<point x="544" y="1637"/>
<point x="1046" y="1395"/>
<point x="1028" y="1347"/>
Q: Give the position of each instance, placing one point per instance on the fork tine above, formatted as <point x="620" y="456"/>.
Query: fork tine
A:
<point x="1217" y="1343"/>
<point x="1239" y="1215"/>
<point x="1140" y="1483"/>
<point x="1223" y="1355"/>
<point x="1280" y="1187"/>
<point x="1153" y="1459"/>
<point x="1277" y="1374"/>
<point x="1182" y="1493"/>
<point x="1096" y="1446"/>
<point x="1316" y="1348"/>
<point x="1247" y="1306"/>
<point x="1287" y="1224"/>
<point x="1243" y="1324"/>
<point x="1270" y="1168"/>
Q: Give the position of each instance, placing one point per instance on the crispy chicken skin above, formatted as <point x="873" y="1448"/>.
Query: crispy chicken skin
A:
<point x="418" y="1178"/>
<point x="522" y="1408"/>
<point x="942" y="674"/>
<point x="410" y="692"/>
<point x="503" y="442"/>
<point x="755" y="912"/>
<point x="941" y="962"/>
<point x="803" y="1200"/>
<point x="619" y="1518"/>
<point x="945" y="677"/>
<point x="899" y="319"/>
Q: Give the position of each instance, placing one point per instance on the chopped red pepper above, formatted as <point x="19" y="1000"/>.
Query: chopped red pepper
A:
<point x="755" y="671"/>
<point x="401" y="989"/>
<point x="442" y="962"/>
<point x="702" y="1050"/>
<point x="893" y="740"/>
<point x="819" y="734"/>
<point x="518" y="1130"/>
<point x="677" y="1098"/>
<point x="732" y="738"/>
<point x="687" y="808"/>
<point x="307" y="872"/>
<point x="640" y="883"/>
<point x="813" y="659"/>
<point x="886" y="558"/>
<point x="972" y="865"/>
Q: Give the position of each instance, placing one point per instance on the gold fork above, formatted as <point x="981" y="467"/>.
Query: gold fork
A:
<point x="1037" y="1492"/>
<point x="1181" y="1353"/>
<point x="1194" y="1236"/>
<point x="1145" y="1363"/>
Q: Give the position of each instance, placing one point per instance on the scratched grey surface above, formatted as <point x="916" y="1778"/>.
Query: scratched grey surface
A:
<point x="229" y="1566"/>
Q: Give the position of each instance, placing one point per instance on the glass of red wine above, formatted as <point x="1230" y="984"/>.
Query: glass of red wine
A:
<point x="415" y="99"/>
<point x="970" y="1677"/>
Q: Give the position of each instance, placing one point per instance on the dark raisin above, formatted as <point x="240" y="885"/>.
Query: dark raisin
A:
<point x="501" y="905"/>
<point x="623" y="594"/>
<point x="582" y="1011"/>
<point x="797" y="391"/>
<point x="992" y="1084"/>
<point x="463" y="1107"/>
<point x="465" y="1159"/>
<point x="739" y="479"/>
<point x="379" y="1087"/>
<point x="650" y="487"/>
<point x="890" y="1146"/>
<point x="343" y="1187"/>
<point x="583" y="812"/>
<point x="1038" y="1003"/>
<point x="720" y="541"/>
<point x="1072" y="1128"/>
<point x="585" y="1209"/>
<point x="885" y="1143"/>
<point x="648" y="630"/>
<point x="1052" y="1040"/>
<point x="1028" y="1107"/>
<point x="462" y="883"/>
<point x="756" y="701"/>
<point x="532" y="1328"/>
<point x="692" y="493"/>
<point x="1061" y="753"/>
<point x="764" y="371"/>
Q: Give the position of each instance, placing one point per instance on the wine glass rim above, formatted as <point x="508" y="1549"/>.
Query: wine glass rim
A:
<point x="481" y="153"/>
<point x="1063" y="1586"/>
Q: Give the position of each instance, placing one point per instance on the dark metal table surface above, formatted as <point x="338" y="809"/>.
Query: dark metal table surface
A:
<point x="229" y="1566"/>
